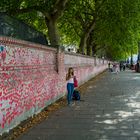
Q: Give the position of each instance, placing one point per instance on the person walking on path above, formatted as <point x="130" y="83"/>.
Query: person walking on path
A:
<point x="70" y="84"/>
<point x="121" y="66"/>
<point x="109" y="67"/>
<point x="124" y="66"/>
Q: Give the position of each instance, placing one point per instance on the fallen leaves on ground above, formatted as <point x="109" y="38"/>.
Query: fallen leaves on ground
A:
<point x="43" y="115"/>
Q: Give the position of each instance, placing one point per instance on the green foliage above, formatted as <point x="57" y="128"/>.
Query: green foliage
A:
<point x="117" y="22"/>
<point x="36" y="20"/>
<point x="119" y="27"/>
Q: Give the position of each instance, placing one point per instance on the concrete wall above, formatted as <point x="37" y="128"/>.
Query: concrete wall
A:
<point x="32" y="76"/>
<point x="85" y="67"/>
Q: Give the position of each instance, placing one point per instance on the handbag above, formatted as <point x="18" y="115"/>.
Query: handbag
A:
<point x="75" y="82"/>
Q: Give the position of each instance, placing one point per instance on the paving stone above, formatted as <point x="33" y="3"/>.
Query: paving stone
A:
<point x="110" y="111"/>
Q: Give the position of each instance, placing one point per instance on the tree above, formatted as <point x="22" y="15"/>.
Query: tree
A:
<point x="79" y="21"/>
<point x="50" y="12"/>
<point x="99" y="26"/>
<point x="104" y="24"/>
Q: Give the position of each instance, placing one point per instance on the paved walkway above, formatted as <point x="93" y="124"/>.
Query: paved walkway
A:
<point x="111" y="111"/>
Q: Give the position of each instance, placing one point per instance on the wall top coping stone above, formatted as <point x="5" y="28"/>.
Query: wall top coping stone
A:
<point x="9" y="40"/>
<point x="81" y="55"/>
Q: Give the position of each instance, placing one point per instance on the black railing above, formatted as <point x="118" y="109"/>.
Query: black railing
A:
<point x="13" y="27"/>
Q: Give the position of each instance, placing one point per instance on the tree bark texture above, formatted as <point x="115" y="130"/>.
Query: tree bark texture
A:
<point x="52" y="32"/>
<point x="85" y="36"/>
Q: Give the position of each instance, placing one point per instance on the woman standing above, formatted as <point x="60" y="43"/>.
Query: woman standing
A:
<point x="70" y="84"/>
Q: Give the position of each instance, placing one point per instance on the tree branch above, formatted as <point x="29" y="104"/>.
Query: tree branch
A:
<point x="75" y="29"/>
<point x="86" y="13"/>
<point x="101" y="48"/>
<point x="24" y="10"/>
<point x="89" y="6"/>
<point x="99" y="6"/>
<point x="80" y="19"/>
<point x="59" y="7"/>
<point x="92" y="24"/>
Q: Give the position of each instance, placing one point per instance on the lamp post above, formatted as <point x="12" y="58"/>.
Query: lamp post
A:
<point x="103" y="59"/>
<point x="138" y="59"/>
<point x="131" y="60"/>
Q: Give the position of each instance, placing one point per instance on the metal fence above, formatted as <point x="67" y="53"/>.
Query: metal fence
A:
<point x="12" y="27"/>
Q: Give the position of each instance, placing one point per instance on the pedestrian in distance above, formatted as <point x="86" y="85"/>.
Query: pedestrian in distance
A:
<point x="121" y="66"/>
<point x="124" y="65"/>
<point x="109" y="67"/>
<point x="137" y="67"/>
<point x="116" y="68"/>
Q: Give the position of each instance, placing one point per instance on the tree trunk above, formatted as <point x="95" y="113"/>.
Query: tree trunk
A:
<point x="52" y="32"/>
<point x="51" y="21"/>
<point x="83" y="43"/>
<point x="89" y="50"/>
<point x="85" y="36"/>
<point x="89" y="46"/>
<point x="93" y="48"/>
